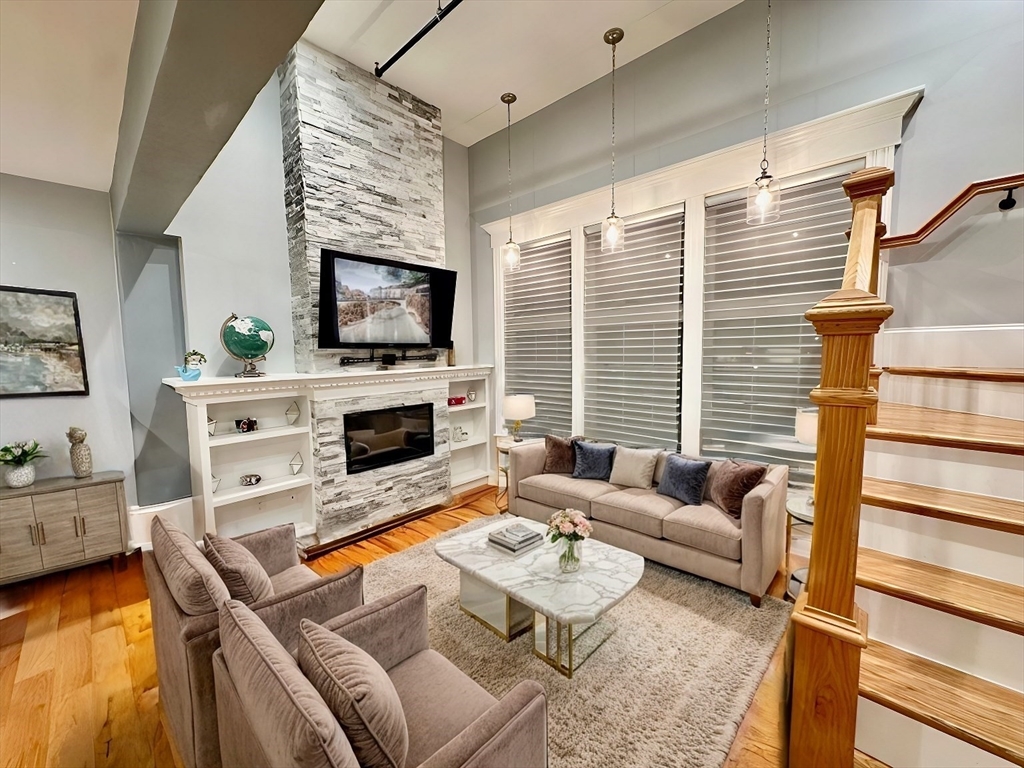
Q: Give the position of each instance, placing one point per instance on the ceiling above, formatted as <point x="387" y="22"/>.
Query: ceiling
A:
<point x="62" y="76"/>
<point x="541" y="50"/>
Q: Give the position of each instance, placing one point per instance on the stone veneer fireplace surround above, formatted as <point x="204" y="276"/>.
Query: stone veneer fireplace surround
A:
<point x="324" y="501"/>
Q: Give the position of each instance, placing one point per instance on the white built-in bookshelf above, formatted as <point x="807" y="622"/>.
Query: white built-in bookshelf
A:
<point x="470" y="458"/>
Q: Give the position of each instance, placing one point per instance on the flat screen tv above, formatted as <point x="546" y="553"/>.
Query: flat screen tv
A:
<point x="368" y="303"/>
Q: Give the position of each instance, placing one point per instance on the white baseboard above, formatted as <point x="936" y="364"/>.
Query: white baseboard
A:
<point x="140" y="519"/>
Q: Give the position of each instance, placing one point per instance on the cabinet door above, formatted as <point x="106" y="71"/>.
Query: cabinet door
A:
<point x="101" y="520"/>
<point x="58" y="530"/>
<point x="19" y="549"/>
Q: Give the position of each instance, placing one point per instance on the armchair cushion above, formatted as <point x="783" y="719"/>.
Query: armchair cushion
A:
<point x="359" y="693"/>
<point x="241" y="572"/>
<point x="729" y="481"/>
<point x="191" y="580"/>
<point x="296" y="577"/>
<point x="391" y="628"/>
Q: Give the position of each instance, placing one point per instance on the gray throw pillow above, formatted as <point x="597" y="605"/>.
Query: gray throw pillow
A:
<point x="359" y="693"/>
<point x="593" y="460"/>
<point x="634" y="467"/>
<point x="684" y="479"/>
<point x="242" y="573"/>
<point x="192" y="581"/>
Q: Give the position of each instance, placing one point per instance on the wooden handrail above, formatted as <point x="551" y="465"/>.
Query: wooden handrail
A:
<point x="829" y="630"/>
<point x="1001" y="183"/>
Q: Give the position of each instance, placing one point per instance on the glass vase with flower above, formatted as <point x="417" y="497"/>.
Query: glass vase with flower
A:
<point x="567" y="529"/>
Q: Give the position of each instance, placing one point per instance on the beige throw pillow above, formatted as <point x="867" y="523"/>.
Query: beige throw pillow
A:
<point x="359" y="693"/>
<point x="193" y="582"/>
<point x="245" y="578"/>
<point x="634" y="467"/>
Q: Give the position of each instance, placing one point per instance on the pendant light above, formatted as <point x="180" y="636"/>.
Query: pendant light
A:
<point x="510" y="250"/>
<point x="764" y="194"/>
<point x="613" y="229"/>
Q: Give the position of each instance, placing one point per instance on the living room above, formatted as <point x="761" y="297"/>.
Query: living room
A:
<point x="508" y="353"/>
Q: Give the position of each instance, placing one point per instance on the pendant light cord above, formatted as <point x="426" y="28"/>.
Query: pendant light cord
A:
<point x="767" y="61"/>
<point x="613" y="129"/>
<point x="508" y="133"/>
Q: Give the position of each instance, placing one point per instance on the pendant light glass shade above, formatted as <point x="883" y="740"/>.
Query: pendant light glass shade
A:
<point x="510" y="256"/>
<point x="763" y="198"/>
<point x="613" y="234"/>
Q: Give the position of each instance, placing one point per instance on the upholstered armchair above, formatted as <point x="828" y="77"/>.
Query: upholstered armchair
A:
<point x="185" y="641"/>
<point x="273" y="715"/>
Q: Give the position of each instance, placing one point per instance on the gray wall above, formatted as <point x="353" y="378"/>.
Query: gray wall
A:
<point x="149" y="284"/>
<point x="234" y="241"/>
<point x="60" y="238"/>
<point x="703" y="91"/>
<point x="457" y="254"/>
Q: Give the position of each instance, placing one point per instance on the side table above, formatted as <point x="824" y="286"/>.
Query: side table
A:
<point x="800" y="511"/>
<point x="502" y="445"/>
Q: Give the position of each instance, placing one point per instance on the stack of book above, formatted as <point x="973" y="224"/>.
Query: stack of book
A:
<point x="515" y="538"/>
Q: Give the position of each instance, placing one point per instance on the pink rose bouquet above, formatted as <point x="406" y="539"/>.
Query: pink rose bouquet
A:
<point x="569" y="524"/>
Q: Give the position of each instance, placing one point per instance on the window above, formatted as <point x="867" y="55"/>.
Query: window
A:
<point x="538" y="334"/>
<point x="633" y="317"/>
<point x="761" y="358"/>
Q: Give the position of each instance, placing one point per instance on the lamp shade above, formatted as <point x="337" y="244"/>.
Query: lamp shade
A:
<point x="519" y="407"/>
<point x="807" y="426"/>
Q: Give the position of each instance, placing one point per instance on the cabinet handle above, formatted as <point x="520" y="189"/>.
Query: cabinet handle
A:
<point x="32" y="534"/>
<point x="76" y="525"/>
<point x="83" y="526"/>
<point x="42" y="533"/>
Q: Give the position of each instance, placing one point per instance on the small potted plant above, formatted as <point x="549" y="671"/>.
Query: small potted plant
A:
<point x="568" y="529"/>
<point x="192" y="369"/>
<point x="18" y="458"/>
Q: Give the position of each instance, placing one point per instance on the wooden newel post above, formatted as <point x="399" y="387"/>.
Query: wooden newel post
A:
<point x="829" y="630"/>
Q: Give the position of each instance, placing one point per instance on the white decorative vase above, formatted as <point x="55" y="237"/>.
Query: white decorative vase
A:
<point x="20" y="477"/>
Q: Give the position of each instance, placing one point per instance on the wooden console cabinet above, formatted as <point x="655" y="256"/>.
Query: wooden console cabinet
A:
<point x="60" y="523"/>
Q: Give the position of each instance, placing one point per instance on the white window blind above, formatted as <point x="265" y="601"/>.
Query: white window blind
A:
<point x="538" y="334"/>
<point x="761" y="358"/>
<point x="633" y="316"/>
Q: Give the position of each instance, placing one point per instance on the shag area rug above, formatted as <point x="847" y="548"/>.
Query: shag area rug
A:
<point x="669" y="688"/>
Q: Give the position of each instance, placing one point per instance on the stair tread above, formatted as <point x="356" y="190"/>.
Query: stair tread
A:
<point x="949" y="429"/>
<point x="972" y="597"/>
<point x="977" y="711"/>
<point x="1013" y="375"/>
<point x="860" y="760"/>
<point x="991" y="512"/>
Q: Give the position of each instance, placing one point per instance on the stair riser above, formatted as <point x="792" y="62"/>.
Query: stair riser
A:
<point x="974" y="648"/>
<point x="992" y="554"/>
<point x="900" y="741"/>
<point x="977" y="347"/>
<point x="991" y="474"/>
<point x="990" y="399"/>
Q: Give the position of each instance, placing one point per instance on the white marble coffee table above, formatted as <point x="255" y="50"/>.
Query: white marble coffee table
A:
<point x="509" y="594"/>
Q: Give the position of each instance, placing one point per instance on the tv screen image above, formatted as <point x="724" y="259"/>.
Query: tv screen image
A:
<point x="379" y="303"/>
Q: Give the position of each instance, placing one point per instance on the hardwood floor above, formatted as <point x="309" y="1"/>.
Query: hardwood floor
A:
<point x="78" y="679"/>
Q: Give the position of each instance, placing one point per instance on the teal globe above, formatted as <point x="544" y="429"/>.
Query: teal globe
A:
<point x="247" y="338"/>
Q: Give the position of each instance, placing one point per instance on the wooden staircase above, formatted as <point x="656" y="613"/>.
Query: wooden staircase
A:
<point x="831" y="644"/>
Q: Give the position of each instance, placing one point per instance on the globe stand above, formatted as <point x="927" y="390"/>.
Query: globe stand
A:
<point x="249" y="371"/>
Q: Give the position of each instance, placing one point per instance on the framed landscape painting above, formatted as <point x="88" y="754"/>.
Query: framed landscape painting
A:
<point x="41" y="352"/>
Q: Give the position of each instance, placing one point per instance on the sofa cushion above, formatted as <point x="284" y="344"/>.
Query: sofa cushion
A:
<point x="593" y="460"/>
<point x="293" y="722"/>
<point x="192" y="581"/>
<point x="635" y="508"/>
<point x="563" y="491"/>
<point x="634" y="467"/>
<point x="729" y="481"/>
<point x="439" y="701"/>
<point x="298" y="576"/>
<point x="704" y="527"/>
<point x="559" y="455"/>
<point x="359" y="693"/>
<point x="239" y="569"/>
<point x="684" y="479"/>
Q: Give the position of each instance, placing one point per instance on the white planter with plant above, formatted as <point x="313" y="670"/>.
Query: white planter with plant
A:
<point x="18" y="458"/>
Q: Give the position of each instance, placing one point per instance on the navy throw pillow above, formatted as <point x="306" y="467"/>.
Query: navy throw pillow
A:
<point x="684" y="479"/>
<point x="593" y="460"/>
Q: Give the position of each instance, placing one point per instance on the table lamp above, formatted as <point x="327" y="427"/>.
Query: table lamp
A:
<point x="807" y="434"/>
<point x="516" y="408"/>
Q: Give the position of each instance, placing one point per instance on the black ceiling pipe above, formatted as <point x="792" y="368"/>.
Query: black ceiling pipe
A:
<point x="379" y="71"/>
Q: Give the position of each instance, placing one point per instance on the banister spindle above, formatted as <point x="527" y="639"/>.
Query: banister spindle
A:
<point x="829" y="630"/>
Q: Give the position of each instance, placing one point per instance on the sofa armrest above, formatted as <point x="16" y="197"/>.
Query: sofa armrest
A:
<point x="391" y="629"/>
<point x="274" y="547"/>
<point x="763" y="528"/>
<point x="523" y="461"/>
<point x="331" y="596"/>
<point x="511" y="734"/>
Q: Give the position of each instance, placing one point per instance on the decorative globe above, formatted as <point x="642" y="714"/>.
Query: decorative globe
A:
<point x="247" y="339"/>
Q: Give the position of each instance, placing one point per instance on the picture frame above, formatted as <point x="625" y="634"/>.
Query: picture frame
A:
<point x="41" y="348"/>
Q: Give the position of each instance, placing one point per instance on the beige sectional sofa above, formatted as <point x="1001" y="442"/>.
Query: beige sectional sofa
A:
<point x="703" y="540"/>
